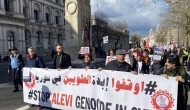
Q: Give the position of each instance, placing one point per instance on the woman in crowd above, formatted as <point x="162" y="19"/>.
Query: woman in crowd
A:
<point x="111" y="52"/>
<point x="174" y="69"/>
<point x="88" y="62"/>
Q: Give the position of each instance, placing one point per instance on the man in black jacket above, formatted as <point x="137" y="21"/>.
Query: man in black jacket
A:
<point x="61" y="60"/>
<point x="119" y="64"/>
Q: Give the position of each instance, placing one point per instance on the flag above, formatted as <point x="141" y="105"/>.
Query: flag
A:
<point x="147" y="43"/>
<point x="88" y="28"/>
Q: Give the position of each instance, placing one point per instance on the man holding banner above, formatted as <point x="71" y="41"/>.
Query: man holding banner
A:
<point x="119" y="64"/>
<point x="61" y="60"/>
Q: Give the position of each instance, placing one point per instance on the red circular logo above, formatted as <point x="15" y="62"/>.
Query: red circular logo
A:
<point x="162" y="100"/>
<point x="31" y="84"/>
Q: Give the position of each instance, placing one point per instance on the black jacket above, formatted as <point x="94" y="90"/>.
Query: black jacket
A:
<point x="113" y="65"/>
<point x="91" y="65"/>
<point x="163" y="60"/>
<point x="64" y="63"/>
<point x="156" y="67"/>
<point x="143" y="69"/>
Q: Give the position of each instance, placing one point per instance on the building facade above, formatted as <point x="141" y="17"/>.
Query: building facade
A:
<point x="36" y="23"/>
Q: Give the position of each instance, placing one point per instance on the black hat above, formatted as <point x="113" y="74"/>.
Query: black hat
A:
<point x="173" y="59"/>
<point x="13" y="48"/>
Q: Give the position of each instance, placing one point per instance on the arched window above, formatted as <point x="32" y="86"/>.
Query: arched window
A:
<point x="8" y="4"/>
<point x="11" y="40"/>
<point x="25" y="9"/>
<point x="48" y="15"/>
<point x="50" y="38"/>
<point x="36" y="11"/>
<point x="57" y="17"/>
<point x="59" y="38"/>
<point x="57" y="1"/>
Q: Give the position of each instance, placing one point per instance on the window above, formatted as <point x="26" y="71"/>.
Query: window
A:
<point x="25" y="12"/>
<point x="59" y="38"/>
<point x="36" y="15"/>
<point x="56" y="19"/>
<point x="10" y="39"/>
<point x="57" y="1"/>
<point x="47" y="17"/>
<point x="49" y="38"/>
<point x="7" y="5"/>
<point x="38" y="37"/>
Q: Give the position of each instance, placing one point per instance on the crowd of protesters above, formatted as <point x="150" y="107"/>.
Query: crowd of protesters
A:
<point x="171" y="64"/>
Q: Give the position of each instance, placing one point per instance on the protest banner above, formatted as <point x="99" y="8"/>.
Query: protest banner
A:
<point x="157" y="57"/>
<point x="84" y="50"/>
<point x="127" y="59"/>
<point x="110" y="58"/>
<point x="95" y="90"/>
<point x="105" y="39"/>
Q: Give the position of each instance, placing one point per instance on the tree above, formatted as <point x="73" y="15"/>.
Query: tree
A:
<point x="100" y="28"/>
<point x="136" y="40"/>
<point x="118" y="29"/>
<point x="160" y="36"/>
<point x="178" y="15"/>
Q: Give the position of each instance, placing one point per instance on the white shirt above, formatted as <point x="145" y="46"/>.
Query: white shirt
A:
<point x="139" y="66"/>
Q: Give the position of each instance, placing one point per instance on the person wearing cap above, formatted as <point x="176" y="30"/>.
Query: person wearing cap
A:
<point x="175" y="69"/>
<point x="119" y="64"/>
<point x="140" y="66"/>
<point x="16" y="64"/>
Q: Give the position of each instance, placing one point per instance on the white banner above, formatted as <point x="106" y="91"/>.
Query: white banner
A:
<point x="127" y="59"/>
<point x="84" y="50"/>
<point x="94" y="90"/>
<point x="105" y="39"/>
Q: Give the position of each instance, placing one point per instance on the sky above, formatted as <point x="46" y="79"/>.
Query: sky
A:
<point x="140" y="16"/>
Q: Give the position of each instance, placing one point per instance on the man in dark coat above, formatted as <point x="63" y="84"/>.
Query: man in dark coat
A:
<point x="34" y="60"/>
<point x="16" y="64"/>
<point x="61" y="60"/>
<point x="119" y="64"/>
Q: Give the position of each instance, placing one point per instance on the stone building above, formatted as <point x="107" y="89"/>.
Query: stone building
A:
<point x="37" y="23"/>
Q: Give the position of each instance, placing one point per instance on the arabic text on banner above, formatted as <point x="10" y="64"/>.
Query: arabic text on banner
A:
<point x="94" y="90"/>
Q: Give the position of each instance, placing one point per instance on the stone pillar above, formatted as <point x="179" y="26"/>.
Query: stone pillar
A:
<point x="16" y="7"/>
<point x="53" y="16"/>
<point x="61" y="20"/>
<point x="42" y="13"/>
<point x="32" y="10"/>
<point x="21" y="6"/>
<point x="2" y="5"/>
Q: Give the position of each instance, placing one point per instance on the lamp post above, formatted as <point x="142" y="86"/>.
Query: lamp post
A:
<point x="178" y="36"/>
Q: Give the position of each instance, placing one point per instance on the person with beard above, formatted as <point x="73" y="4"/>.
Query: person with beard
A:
<point x="175" y="69"/>
<point x="61" y="60"/>
<point x="16" y="64"/>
